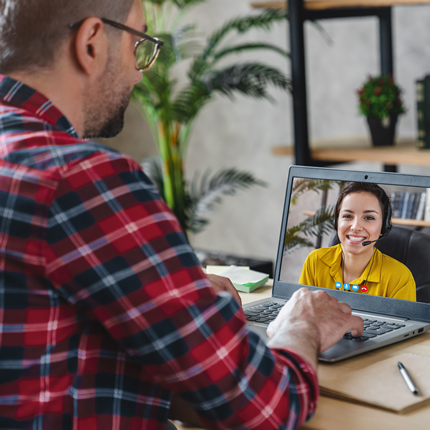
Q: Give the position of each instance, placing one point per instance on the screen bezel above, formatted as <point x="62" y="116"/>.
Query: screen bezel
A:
<point x="359" y="302"/>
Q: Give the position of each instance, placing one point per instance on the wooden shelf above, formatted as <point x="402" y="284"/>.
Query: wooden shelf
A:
<point x="397" y="221"/>
<point x="338" y="4"/>
<point x="349" y="149"/>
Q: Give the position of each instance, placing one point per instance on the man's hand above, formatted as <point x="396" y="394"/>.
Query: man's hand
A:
<point x="220" y="283"/>
<point x="311" y="322"/>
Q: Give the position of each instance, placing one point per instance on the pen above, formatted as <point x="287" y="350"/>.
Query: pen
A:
<point x="409" y="382"/>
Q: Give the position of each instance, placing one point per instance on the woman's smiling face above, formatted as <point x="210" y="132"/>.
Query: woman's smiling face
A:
<point x="360" y="220"/>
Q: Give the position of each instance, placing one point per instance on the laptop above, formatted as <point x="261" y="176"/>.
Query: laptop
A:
<point x="307" y="224"/>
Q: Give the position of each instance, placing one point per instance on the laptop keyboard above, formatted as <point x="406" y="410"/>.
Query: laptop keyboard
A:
<point x="267" y="312"/>
<point x="263" y="313"/>
<point x="373" y="328"/>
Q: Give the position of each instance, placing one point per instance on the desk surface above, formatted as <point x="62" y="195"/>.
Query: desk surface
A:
<point x="339" y="415"/>
<point x="334" y="414"/>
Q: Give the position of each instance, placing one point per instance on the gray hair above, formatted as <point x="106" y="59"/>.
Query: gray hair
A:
<point x="32" y="31"/>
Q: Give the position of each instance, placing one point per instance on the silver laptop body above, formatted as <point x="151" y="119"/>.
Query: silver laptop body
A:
<point x="402" y="319"/>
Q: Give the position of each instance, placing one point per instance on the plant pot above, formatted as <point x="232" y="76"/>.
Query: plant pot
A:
<point x="382" y="133"/>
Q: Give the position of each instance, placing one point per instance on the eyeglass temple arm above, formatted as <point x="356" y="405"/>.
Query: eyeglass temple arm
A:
<point x="122" y="27"/>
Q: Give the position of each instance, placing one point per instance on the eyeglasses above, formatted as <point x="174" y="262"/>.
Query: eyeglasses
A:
<point x="145" y="53"/>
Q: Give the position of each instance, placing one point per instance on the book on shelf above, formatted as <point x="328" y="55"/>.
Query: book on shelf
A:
<point x="410" y="205"/>
<point x="427" y="206"/>
<point x="423" y="111"/>
<point x="421" y="207"/>
<point x="419" y="86"/>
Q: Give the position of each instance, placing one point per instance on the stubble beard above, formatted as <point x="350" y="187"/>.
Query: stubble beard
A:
<point x="105" y="110"/>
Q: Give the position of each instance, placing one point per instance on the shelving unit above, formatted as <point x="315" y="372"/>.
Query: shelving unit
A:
<point x="350" y="149"/>
<point x="395" y="221"/>
<point x="299" y="12"/>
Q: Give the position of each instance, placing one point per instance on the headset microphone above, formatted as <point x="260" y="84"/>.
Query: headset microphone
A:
<point x="368" y="242"/>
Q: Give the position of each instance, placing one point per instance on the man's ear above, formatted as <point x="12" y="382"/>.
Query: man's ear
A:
<point x="91" y="47"/>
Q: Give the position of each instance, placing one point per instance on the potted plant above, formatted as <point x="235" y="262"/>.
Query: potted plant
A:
<point x="171" y="111"/>
<point x="381" y="104"/>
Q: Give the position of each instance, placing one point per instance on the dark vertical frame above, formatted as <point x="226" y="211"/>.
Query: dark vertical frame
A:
<point x="298" y="15"/>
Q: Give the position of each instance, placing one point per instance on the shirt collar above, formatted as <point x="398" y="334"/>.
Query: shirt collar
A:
<point x="17" y="94"/>
<point x="372" y="272"/>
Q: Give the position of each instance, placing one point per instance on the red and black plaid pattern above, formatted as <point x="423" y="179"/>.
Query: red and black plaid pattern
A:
<point x="104" y="309"/>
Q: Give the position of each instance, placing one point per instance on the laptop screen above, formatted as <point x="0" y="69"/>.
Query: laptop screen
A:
<point x="357" y="236"/>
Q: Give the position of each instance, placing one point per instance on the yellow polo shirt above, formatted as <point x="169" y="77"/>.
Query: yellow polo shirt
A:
<point x="388" y="277"/>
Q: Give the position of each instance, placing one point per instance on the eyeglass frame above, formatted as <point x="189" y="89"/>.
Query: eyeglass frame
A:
<point x="144" y="37"/>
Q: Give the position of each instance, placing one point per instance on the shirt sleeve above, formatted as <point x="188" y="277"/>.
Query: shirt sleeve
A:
<point x="408" y="291"/>
<point x="306" y="277"/>
<point x="116" y="252"/>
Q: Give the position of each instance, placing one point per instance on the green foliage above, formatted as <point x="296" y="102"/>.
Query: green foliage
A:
<point x="206" y="193"/>
<point x="301" y="186"/>
<point x="319" y="224"/>
<point x="171" y="111"/>
<point x="380" y="97"/>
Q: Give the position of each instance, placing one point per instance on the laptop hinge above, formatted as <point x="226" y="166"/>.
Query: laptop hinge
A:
<point x="381" y="316"/>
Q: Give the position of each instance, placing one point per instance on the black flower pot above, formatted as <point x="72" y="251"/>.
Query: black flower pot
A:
<point x="382" y="134"/>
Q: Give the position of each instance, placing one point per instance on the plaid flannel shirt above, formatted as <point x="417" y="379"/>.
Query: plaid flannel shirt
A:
<point x="104" y="308"/>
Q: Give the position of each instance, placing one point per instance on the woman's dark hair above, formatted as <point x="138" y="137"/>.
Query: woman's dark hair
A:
<point x="364" y="187"/>
<point x="32" y="31"/>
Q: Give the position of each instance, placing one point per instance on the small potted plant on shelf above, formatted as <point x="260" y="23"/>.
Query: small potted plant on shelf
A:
<point x="381" y="104"/>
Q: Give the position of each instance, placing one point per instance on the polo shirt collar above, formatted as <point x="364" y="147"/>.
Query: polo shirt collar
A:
<point x="334" y="259"/>
<point x="17" y="94"/>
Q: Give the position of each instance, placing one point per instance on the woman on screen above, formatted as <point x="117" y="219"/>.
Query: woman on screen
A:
<point x="362" y="217"/>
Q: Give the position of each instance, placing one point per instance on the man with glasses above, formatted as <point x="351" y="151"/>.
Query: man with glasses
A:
<point x="104" y="309"/>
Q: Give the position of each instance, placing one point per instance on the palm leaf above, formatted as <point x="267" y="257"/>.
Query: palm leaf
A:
<point x="296" y="243"/>
<point x="319" y="224"/>
<point x="244" y="24"/>
<point x="186" y="3"/>
<point x="189" y="102"/>
<point x="206" y="193"/>
<point x="157" y="2"/>
<point x="247" y="47"/>
<point x="203" y="62"/>
<point x="185" y="43"/>
<point x="250" y="79"/>
<point x="301" y="186"/>
<point x="152" y="168"/>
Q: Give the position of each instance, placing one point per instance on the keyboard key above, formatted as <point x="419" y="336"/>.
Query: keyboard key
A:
<point x="360" y="339"/>
<point x="392" y="326"/>
<point x="376" y="332"/>
<point x="261" y="320"/>
<point x="368" y="335"/>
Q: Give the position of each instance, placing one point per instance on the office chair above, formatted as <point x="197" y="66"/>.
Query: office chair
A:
<point x="411" y="248"/>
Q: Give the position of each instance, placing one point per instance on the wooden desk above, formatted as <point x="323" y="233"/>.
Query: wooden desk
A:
<point x="334" y="414"/>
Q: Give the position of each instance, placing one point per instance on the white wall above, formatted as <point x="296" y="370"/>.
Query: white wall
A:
<point x="242" y="133"/>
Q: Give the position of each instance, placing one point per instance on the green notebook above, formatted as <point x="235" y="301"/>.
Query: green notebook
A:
<point x="251" y="286"/>
<point x="243" y="279"/>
